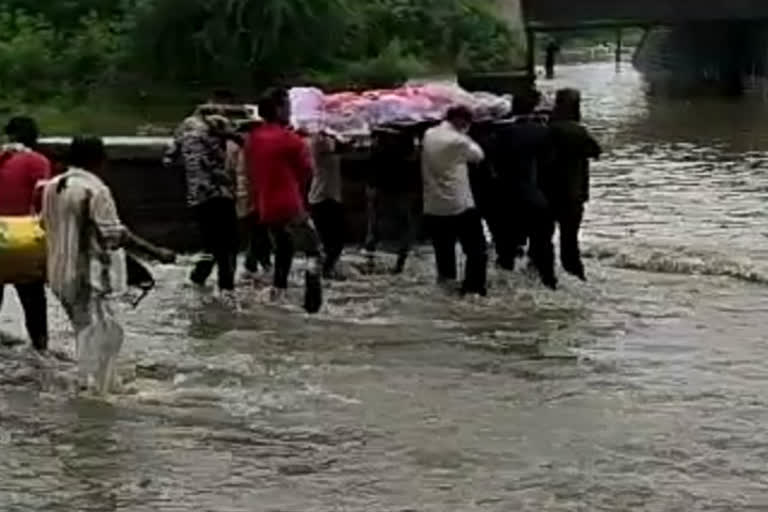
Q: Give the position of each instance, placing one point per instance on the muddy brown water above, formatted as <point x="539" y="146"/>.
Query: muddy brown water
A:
<point x="644" y="390"/>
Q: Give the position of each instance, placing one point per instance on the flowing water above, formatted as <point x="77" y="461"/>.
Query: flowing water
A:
<point x="643" y="390"/>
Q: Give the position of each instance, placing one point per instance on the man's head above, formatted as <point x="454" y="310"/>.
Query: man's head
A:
<point x="275" y="107"/>
<point x="525" y="104"/>
<point x="87" y="152"/>
<point x="567" y="105"/>
<point x="460" y="117"/>
<point x="22" y="130"/>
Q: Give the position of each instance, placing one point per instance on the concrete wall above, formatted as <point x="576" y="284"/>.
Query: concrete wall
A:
<point x="703" y="57"/>
<point x="583" y="12"/>
<point x="151" y="198"/>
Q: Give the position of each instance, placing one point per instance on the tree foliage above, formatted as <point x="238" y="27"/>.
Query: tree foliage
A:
<point x="71" y="47"/>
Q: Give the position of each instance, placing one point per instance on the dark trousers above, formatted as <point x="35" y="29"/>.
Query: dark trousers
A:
<point x="286" y="238"/>
<point x="217" y="221"/>
<point x="34" y="303"/>
<point x="329" y="220"/>
<point x="510" y="235"/>
<point x="404" y="209"/>
<point x="568" y="217"/>
<point x="467" y="229"/>
<point x="259" y="248"/>
<point x="527" y="222"/>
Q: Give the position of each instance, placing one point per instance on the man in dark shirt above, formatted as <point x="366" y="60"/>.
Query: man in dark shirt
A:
<point x="522" y="146"/>
<point x="394" y="187"/>
<point x="565" y="181"/>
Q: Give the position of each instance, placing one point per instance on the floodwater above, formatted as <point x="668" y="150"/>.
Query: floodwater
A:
<point x="643" y="390"/>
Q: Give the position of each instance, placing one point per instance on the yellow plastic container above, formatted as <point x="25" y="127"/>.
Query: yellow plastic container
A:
<point x="22" y="250"/>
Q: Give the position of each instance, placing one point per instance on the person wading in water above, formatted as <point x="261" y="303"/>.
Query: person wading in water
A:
<point x="84" y="236"/>
<point x="280" y="169"/>
<point x="21" y="169"/>
<point x="565" y="181"/>
<point x="200" y="147"/>
<point x="449" y="208"/>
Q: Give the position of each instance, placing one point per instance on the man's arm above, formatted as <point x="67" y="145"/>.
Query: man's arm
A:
<point x="473" y="153"/>
<point x="172" y="152"/>
<point x="592" y="148"/>
<point x="303" y="163"/>
<point x="114" y="234"/>
<point x="134" y="243"/>
<point x="102" y="211"/>
<point x="41" y="176"/>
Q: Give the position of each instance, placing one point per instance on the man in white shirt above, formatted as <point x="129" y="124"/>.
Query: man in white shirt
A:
<point x="449" y="207"/>
<point x="86" y="264"/>
<point x="325" y="200"/>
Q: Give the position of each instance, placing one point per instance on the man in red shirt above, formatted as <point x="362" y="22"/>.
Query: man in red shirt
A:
<point x="280" y="168"/>
<point x="21" y="169"/>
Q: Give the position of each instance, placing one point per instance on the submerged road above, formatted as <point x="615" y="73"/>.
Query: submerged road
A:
<point x="644" y="390"/>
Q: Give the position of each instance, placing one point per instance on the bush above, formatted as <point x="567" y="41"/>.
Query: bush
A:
<point x="390" y="68"/>
<point x="27" y="62"/>
<point x="73" y="52"/>
<point x="39" y="61"/>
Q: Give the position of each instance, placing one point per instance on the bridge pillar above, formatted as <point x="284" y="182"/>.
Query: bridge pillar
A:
<point x="530" y="48"/>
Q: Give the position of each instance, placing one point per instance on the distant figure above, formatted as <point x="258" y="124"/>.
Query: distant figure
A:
<point x="21" y="169"/>
<point x="86" y="269"/>
<point x="326" y="201"/>
<point x="552" y="51"/>
<point x="200" y="147"/>
<point x="449" y="208"/>
<point x="393" y="189"/>
<point x="280" y="166"/>
<point x="565" y="181"/>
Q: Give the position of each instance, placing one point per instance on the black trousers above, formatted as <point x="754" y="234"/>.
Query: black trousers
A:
<point x="35" y="305"/>
<point x="258" y="250"/>
<point x="217" y="221"/>
<point x="287" y="237"/>
<point x="467" y="229"/>
<point x="568" y="217"/>
<point x="329" y="220"/>
<point x="404" y="209"/>
<point x="528" y="220"/>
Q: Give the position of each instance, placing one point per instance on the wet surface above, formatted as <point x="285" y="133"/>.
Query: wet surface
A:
<point x="643" y="390"/>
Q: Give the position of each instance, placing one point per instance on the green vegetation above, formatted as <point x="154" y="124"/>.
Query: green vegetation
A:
<point x="111" y="65"/>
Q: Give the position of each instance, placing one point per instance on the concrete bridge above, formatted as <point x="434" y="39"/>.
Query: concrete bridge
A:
<point x="570" y="14"/>
<point x="689" y="44"/>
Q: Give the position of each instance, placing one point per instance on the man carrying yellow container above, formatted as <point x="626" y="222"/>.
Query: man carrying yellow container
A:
<point x="21" y="240"/>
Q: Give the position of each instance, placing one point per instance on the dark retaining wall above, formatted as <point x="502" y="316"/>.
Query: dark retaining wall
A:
<point x="151" y="197"/>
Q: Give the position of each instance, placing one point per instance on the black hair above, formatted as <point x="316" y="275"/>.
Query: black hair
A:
<point x="87" y="152"/>
<point x="270" y="102"/>
<point x="24" y="130"/>
<point x="525" y="103"/>
<point x="459" y="113"/>
<point x="567" y="105"/>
